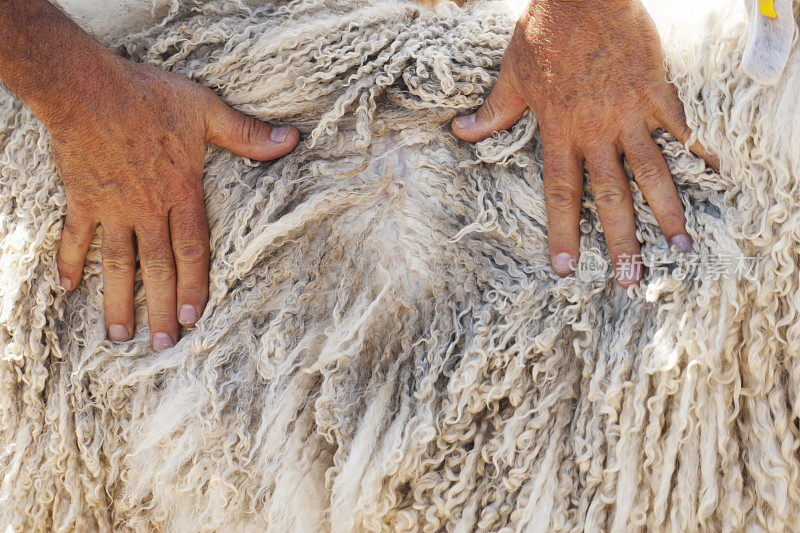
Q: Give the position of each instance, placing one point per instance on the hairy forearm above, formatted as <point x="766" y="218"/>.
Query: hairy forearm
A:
<point x="48" y="60"/>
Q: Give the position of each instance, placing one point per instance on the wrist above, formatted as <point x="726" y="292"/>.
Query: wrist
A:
<point x="592" y="6"/>
<point x="49" y="61"/>
<point x="549" y="14"/>
<point x="70" y="97"/>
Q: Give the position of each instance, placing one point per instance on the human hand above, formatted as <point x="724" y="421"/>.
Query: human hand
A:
<point x="593" y="74"/>
<point x="131" y="158"/>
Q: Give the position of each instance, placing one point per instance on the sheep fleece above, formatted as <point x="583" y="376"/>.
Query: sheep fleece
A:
<point x="386" y="346"/>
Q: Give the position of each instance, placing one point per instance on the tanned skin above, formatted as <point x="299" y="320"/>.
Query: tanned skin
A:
<point x="593" y="73"/>
<point x="128" y="142"/>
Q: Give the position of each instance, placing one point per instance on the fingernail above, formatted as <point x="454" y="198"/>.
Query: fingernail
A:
<point x="628" y="273"/>
<point x="162" y="341"/>
<point x="465" y="121"/>
<point x="564" y="263"/>
<point x="67" y="283"/>
<point x="279" y="134"/>
<point x="118" y="333"/>
<point x="682" y="243"/>
<point x="187" y="315"/>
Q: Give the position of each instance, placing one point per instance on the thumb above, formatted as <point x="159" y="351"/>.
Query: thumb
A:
<point x="671" y="116"/>
<point x="500" y="111"/>
<point x="247" y="136"/>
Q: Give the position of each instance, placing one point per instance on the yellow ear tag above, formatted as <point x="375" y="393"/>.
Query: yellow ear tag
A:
<point x="767" y="8"/>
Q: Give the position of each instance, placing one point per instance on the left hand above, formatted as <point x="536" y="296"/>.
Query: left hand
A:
<point x="131" y="158"/>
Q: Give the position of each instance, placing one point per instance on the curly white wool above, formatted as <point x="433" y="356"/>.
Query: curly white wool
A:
<point x="386" y="346"/>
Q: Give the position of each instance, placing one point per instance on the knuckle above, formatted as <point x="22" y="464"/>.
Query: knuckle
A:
<point x="66" y="265"/>
<point x="649" y="175"/>
<point x="69" y="238"/>
<point x="674" y="212"/>
<point x="489" y="107"/>
<point x="192" y="291"/>
<point x="622" y="244"/>
<point x="610" y="198"/>
<point x="117" y="265"/>
<point x="248" y="129"/>
<point x="111" y="187"/>
<point x="159" y="314"/>
<point x="561" y="197"/>
<point x="191" y="252"/>
<point x="159" y="271"/>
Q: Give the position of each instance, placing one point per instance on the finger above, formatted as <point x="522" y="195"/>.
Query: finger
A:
<point x="76" y="236"/>
<point x="501" y="110"/>
<point x="158" y="275"/>
<point x="670" y="114"/>
<point x="189" y="232"/>
<point x="655" y="181"/>
<point x="245" y="135"/>
<point x="119" y="267"/>
<point x="612" y="196"/>
<point x="563" y="188"/>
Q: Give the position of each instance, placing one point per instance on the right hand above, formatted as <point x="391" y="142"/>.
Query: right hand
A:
<point x="131" y="158"/>
<point x="593" y="74"/>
